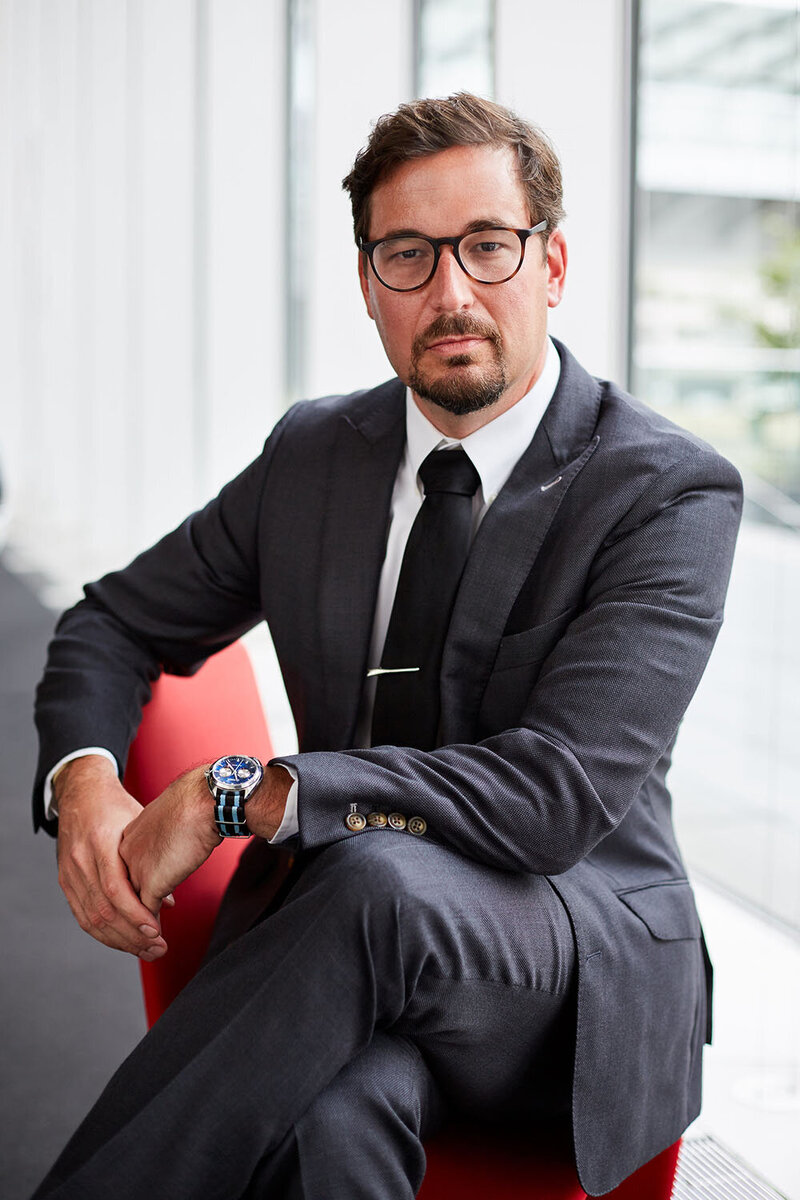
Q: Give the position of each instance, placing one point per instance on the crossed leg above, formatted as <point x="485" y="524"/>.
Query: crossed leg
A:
<point x="380" y="932"/>
<point x="362" y="1136"/>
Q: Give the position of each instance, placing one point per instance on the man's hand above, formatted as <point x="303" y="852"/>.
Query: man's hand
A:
<point x="175" y="834"/>
<point x="93" y="811"/>
<point x="170" y="839"/>
<point x="119" y="862"/>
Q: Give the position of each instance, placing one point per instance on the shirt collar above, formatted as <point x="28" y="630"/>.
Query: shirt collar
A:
<point x="496" y="447"/>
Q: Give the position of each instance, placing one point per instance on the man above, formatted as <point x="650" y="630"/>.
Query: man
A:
<point x="489" y="911"/>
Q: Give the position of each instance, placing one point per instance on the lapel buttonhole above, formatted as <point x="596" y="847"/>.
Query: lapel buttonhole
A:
<point x="545" y="487"/>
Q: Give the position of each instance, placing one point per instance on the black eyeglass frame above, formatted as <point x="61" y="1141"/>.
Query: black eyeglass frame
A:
<point x="369" y="248"/>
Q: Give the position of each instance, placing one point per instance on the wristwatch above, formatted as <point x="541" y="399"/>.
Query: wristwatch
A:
<point x="232" y="780"/>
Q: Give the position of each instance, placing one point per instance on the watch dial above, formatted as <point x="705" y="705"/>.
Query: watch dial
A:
<point x="236" y="770"/>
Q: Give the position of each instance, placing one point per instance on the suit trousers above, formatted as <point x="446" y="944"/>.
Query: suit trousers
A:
<point x="310" y="1056"/>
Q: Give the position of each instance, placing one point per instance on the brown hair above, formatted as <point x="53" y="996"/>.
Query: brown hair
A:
<point x="423" y="127"/>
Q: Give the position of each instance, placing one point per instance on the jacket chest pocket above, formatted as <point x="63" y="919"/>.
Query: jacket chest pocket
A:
<point x="515" y="671"/>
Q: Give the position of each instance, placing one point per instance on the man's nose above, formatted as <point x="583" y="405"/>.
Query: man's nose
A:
<point x="451" y="287"/>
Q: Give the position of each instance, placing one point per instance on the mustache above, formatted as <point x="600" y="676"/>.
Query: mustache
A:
<point x="454" y="325"/>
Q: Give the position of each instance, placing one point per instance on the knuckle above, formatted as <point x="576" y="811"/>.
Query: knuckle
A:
<point x="101" y="916"/>
<point x="76" y="854"/>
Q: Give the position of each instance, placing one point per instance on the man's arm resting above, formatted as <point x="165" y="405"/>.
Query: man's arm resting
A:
<point x="603" y="707"/>
<point x="119" y="862"/>
<point x="175" y="834"/>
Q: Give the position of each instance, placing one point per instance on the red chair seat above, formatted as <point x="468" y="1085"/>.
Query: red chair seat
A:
<point x="475" y="1167"/>
<point x="466" y="1167"/>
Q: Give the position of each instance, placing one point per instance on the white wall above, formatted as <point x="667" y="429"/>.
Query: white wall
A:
<point x="141" y="304"/>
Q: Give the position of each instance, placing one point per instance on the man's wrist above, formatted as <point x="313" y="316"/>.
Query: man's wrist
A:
<point x="80" y="773"/>
<point x="265" y="808"/>
<point x="199" y="803"/>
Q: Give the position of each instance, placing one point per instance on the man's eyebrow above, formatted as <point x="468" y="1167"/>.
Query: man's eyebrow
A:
<point x="471" y="227"/>
<point x="401" y="233"/>
<point x="488" y="223"/>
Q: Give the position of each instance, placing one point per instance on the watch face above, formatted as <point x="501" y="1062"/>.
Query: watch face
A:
<point x="236" y="771"/>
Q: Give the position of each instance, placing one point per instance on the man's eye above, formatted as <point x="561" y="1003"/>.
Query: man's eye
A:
<point x="411" y="253"/>
<point x="488" y="247"/>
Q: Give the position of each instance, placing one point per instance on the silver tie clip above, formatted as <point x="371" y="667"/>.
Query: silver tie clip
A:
<point x="390" y="671"/>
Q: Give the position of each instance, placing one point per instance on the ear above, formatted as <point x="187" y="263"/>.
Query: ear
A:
<point x="363" y="279"/>
<point x="556" y="267"/>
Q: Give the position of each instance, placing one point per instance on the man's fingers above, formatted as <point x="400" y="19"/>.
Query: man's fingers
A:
<point x="116" y="885"/>
<point x="151" y="902"/>
<point x="149" y="945"/>
<point x="106" y="906"/>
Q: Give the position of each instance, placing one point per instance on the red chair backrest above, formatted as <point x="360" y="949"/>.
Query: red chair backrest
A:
<point x="190" y="721"/>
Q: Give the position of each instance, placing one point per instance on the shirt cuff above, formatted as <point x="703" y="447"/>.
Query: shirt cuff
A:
<point x="290" y="825"/>
<point x="50" y="805"/>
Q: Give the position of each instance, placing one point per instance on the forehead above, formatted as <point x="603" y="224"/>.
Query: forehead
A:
<point x="443" y="193"/>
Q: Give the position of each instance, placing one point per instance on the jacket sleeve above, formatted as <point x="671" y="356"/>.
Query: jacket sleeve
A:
<point x="605" y="706"/>
<point x="179" y="602"/>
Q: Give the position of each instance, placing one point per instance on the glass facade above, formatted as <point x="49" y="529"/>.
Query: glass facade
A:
<point x="716" y="346"/>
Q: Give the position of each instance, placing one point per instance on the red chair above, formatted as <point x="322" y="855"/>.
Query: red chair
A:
<point x="194" y="720"/>
<point x="190" y="721"/>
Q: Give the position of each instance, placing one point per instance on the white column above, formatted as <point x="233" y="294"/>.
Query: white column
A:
<point x="245" y="231"/>
<point x="364" y="69"/>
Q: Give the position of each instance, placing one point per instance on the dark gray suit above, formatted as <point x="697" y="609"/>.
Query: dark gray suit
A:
<point x="590" y="602"/>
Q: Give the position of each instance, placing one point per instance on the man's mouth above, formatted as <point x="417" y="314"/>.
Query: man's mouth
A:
<point x="450" y="346"/>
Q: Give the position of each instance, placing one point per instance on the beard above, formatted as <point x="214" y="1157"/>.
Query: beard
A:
<point x="457" y="391"/>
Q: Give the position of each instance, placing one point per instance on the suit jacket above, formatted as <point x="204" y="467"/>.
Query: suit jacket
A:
<point x="589" y="605"/>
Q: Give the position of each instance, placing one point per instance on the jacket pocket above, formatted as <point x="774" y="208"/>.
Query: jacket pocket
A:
<point x="532" y="645"/>
<point x="667" y="909"/>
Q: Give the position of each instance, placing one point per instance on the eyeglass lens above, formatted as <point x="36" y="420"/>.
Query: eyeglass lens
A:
<point x="489" y="256"/>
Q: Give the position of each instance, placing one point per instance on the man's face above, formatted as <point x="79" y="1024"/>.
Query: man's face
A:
<point x="467" y="349"/>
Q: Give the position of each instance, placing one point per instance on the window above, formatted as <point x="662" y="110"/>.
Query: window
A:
<point x="716" y="346"/>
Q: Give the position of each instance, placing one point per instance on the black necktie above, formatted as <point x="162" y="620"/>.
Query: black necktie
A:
<point x="406" y="709"/>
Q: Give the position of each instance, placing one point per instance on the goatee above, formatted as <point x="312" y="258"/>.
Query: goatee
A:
<point x="460" y="392"/>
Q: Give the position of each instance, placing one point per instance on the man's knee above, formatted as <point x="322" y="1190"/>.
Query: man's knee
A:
<point x="377" y="866"/>
<point x="391" y="1072"/>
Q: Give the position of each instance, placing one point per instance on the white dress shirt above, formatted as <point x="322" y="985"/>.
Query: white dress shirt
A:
<point x="494" y="451"/>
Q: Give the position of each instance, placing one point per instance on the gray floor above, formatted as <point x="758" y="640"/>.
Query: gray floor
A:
<point x="70" y="1010"/>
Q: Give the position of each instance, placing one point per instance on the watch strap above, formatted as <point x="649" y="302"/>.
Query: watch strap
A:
<point x="230" y="819"/>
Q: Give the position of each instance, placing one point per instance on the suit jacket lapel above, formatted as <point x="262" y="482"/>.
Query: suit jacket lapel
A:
<point x="508" y="541"/>
<point x="369" y="445"/>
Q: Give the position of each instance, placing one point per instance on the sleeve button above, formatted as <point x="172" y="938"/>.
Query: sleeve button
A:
<point x="355" y="822"/>
<point x="397" y="821"/>
<point x="417" y="826"/>
<point x="377" y="820"/>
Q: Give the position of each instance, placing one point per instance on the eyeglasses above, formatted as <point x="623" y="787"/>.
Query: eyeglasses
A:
<point x="406" y="262"/>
